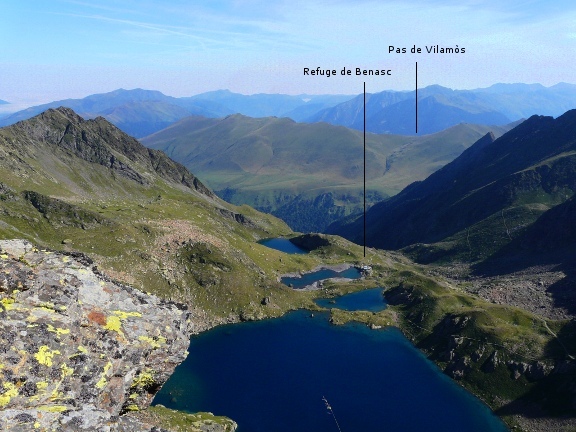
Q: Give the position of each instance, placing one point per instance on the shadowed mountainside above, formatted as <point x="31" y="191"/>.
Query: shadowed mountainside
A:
<point x="484" y="198"/>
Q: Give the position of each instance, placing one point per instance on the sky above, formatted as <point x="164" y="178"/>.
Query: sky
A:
<point x="59" y="49"/>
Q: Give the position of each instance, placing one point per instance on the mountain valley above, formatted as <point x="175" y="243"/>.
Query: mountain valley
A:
<point x="88" y="193"/>
<point x="309" y="175"/>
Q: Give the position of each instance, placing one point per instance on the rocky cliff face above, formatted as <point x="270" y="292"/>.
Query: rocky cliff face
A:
<point x="62" y="135"/>
<point x="77" y="350"/>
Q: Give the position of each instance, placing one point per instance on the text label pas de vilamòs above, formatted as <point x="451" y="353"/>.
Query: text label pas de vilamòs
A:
<point x="428" y="49"/>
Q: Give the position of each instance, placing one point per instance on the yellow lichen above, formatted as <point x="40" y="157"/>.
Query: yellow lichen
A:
<point x="66" y="371"/>
<point x="152" y="342"/>
<point x="124" y="315"/>
<point x="53" y="408"/>
<point x="37" y="425"/>
<point x="58" y="331"/>
<point x="145" y="379"/>
<point x="47" y="306"/>
<point x="113" y="323"/>
<point x="8" y="303"/>
<point x="82" y="349"/>
<point x="41" y="385"/>
<point x="4" y="256"/>
<point x="45" y="355"/>
<point x="102" y="381"/>
<point x="132" y="407"/>
<point x="55" y="395"/>
<point x="10" y="392"/>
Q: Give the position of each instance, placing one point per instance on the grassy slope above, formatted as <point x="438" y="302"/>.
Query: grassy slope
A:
<point x="184" y="246"/>
<point x="223" y="274"/>
<point x="267" y="158"/>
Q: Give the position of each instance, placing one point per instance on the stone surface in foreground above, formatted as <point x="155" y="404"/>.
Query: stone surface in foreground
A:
<point x="77" y="350"/>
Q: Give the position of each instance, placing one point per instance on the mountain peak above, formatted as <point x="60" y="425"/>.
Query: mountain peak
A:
<point x="59" y="134"/>
<point x="62" y="112"/>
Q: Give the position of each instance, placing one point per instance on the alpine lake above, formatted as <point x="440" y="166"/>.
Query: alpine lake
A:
<point x="301" y="373"/>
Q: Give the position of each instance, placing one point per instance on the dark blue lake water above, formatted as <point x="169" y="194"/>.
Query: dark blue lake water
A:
<point x="310" y="278"/>
<point x="283" y="245"/>
<point x="270" y="376"/>
<point x="370" y="300"/>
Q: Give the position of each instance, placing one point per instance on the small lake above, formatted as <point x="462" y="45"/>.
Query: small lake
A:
<point x="371" y="300"/>
<point x="310" y="278"/>
<point x="271" y="376"/>
<point x="283" y="245"/>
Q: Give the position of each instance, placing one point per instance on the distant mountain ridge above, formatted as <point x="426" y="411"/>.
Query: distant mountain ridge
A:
<point x="141" y="112"/>
<point x="440" y="107"/>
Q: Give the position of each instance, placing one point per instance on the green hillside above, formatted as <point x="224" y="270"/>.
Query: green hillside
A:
<point x="283" y="167"/>
<point x="88" y="189"/>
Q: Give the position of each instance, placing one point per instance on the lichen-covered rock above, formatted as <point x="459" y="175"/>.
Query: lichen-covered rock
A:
<point x="78" y="350"/>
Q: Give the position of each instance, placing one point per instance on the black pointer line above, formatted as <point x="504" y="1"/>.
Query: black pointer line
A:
<point x="364" y="169"/>
<point x="416" y="97"/>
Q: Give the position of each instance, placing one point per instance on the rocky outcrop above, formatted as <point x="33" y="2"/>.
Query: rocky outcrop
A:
<point x="77" y="350"/>
<point x="64" y="135"/>
<point x="534" y="371"/>
<point x="237" y="217"/>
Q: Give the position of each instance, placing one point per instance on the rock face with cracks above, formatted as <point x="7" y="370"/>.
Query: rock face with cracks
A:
<point x="79" y="351"/>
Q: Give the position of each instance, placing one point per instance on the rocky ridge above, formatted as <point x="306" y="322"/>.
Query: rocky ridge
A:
<point x="79" y="351"/>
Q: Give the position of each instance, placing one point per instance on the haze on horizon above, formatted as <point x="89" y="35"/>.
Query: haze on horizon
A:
<point x="72" y="48"/>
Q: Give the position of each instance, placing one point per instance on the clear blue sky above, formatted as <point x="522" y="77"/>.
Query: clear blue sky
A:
<point x="59" y="49"/>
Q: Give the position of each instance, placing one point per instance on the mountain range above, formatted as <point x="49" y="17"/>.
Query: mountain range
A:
<point x="142" y="112"/>
<point x="440" y="107"/>
<point x="118" y="211"/>
<point x="489" y="196"/>
<point x="309" y="175"/>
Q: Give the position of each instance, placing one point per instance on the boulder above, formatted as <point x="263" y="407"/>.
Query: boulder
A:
<point x="77" y="349"/>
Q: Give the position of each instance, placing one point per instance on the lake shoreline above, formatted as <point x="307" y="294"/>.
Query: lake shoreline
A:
<point x="318" y="284"/>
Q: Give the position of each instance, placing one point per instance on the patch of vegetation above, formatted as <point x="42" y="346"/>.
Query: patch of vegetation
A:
<point x="179" y="421"/>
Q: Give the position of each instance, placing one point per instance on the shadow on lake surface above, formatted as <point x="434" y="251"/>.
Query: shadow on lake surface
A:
<point x="283" y="245"/>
